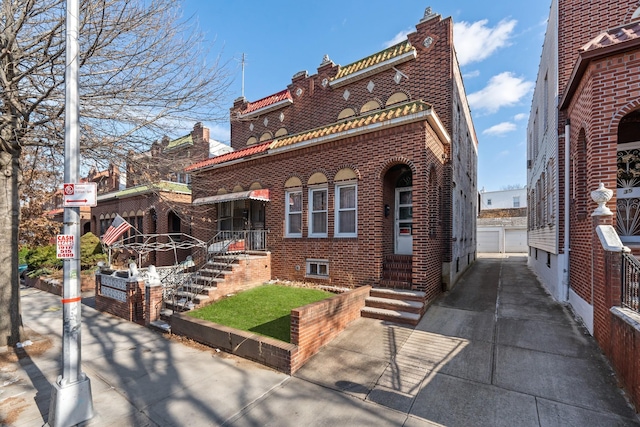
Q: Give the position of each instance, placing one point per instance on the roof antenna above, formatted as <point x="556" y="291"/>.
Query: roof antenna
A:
<point x="243" y="61"/>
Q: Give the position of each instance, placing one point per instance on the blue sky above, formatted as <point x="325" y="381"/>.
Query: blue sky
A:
<point x="498" y="45"/>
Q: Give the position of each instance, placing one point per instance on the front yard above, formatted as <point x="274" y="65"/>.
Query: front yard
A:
<point x="265" y="310"/>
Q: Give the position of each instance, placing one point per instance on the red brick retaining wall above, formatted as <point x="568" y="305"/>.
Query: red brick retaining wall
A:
<point x="312" y="326"/>
<point x="625" y="350"/>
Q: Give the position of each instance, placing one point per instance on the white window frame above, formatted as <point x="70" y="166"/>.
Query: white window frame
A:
<point x="338" y="209"/>
<point x="312" y="211"/>
<point x="288" y="212"/>
<point x="516" y="201"/>
<point x="318" y="263"/>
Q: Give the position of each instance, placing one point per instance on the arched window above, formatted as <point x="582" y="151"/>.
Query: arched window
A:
<point x="281" y="132"/>
<point x="370" y="106"/>
<point x="252" y="140"/>
<point x="266" y="136"/>
<point x="397" y="98"/>
<point x="346" y="113"/>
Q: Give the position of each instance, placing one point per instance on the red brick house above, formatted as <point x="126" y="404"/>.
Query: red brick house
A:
<point x="157" y="196"/>
<point x="363" y="174"/>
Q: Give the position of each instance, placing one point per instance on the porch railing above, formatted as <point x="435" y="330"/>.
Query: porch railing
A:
<point x="630" y="282"/>
<point x="182" y="283"/>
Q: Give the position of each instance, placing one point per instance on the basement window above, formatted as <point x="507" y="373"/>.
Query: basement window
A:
<point x="318" y="268"/>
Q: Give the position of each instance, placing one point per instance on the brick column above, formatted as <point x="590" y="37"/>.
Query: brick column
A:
<point x="152" y="301"/>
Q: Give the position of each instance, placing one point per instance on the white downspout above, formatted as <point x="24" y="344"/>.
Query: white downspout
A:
<point x="567" y="146"/>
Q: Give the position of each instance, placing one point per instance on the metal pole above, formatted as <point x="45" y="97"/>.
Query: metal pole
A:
<point x="71" y="401"/>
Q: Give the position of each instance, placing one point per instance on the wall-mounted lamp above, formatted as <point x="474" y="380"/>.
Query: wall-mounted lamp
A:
<point x="387" y="210"/>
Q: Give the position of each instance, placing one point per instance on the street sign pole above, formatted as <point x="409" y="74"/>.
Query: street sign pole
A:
<point x="71" y="401"/>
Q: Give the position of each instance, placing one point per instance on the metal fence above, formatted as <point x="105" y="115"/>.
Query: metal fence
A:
<point x="630" y="282"/>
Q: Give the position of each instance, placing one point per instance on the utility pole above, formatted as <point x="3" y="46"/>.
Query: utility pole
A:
<point x="71" y="401"/>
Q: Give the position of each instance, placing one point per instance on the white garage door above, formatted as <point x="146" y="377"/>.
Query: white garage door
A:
<point x="515" y="240"/>
<point x="488" y="241"/>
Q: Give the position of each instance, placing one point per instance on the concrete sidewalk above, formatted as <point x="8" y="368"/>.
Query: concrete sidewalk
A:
<point x="495" y="351"/>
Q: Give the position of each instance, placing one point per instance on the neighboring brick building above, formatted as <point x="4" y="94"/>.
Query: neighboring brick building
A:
<point x="595" y="85"/>
<point x="363" y="174"/>
<point x="157" y="197"/>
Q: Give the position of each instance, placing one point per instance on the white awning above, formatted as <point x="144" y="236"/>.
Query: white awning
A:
<point x="262" y="194"/>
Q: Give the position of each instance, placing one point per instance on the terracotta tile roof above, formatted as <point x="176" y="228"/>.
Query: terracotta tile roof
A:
<point x="614" y="36"/>
<point x="245" y="152"/>
<point x="394" y="112"/>
<point x="375" y="59"/>
<point x="269" y="100"/>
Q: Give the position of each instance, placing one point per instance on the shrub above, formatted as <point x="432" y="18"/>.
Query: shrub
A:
<point x="90" y="251"/>
<point x="43" y="257"/>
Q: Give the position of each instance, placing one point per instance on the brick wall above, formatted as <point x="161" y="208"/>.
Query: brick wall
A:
<point x="625" y="350"/>
<point x="314" y="325"/>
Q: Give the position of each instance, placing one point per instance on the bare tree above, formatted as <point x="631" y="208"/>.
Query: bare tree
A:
<point x="143" y="71"/>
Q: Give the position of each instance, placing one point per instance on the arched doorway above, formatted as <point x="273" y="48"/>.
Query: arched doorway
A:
<point x="399" y="205"/>
<point x="628" y="179"/>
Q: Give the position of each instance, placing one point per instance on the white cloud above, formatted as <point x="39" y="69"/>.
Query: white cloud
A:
<point x="220" y="133"/>
<point x="471" y="74"/>
<point x="503" y="90"/>
<point x="500" y="129"/>
<point x="400" y="37"/>
<point x="476" y="41"/>
<point x="519" y="117"/>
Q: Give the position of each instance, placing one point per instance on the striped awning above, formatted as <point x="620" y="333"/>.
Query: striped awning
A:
<point x="262" y="194"/>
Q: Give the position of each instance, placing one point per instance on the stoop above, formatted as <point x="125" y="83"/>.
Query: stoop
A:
<point x="395" y="305"/>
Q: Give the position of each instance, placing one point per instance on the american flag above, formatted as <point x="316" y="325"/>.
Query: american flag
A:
<point x="118" y="227"/>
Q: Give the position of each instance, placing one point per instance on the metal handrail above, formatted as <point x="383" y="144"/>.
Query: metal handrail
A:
<point x="630" y="282"/>
<point x="186" y="277"/>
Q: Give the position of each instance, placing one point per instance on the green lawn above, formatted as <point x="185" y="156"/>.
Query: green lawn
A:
<point x="265" y="310"/>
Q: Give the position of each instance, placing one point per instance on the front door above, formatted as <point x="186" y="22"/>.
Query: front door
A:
<point x="404" y="221"/>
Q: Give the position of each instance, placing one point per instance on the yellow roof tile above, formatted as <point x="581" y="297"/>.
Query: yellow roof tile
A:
<point x="376" y="58"/>
<point x="353" y="123"/>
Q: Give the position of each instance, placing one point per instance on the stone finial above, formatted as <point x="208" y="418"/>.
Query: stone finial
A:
<point x="601" y="196"/>
<point x="428" y="14"/>
<point x="326" y="60"/>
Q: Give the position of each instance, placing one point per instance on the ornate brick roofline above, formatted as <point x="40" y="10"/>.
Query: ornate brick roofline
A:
<point x="616" y="40"/>
<point x="393" y="116"/>
<point x="266" y="104"/>
<point x="385" y="59"/>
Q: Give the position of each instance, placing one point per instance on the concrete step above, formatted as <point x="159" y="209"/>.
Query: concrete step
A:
<point x="395" y="304"/>
<point x="199" y="289"/>
<point x="391" y="315"/>
<point x="402" y="294"/>
<point x="161" y="326"/>
<point x="219" y="265"/>
<point x="207" y="281"/>
<point x="212" y="272"/>
<point x="395" y="284"/>
<point x="197" y="298"/>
